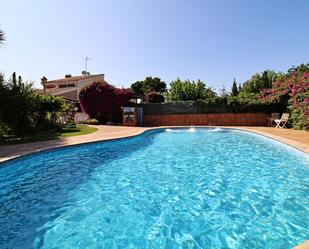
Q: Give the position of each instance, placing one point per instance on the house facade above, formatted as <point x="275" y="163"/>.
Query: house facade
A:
<point x="70" y="86"/>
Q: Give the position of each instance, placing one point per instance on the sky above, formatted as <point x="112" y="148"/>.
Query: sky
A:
<point x="212" y="40"/>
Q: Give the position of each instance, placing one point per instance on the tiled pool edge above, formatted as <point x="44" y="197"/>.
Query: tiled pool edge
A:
<point x="294" y="144"/>
<point x="289" y="142"/>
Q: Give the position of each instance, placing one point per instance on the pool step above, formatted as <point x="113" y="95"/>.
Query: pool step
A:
<point x="304" y="245"/>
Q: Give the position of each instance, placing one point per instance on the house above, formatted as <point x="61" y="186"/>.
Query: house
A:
<point x="70" y="86"/>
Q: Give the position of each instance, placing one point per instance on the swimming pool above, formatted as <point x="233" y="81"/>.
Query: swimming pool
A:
<point x="173" y="188"/>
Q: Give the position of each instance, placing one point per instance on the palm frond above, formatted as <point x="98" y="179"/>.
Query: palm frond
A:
<point x="2" y="36"/>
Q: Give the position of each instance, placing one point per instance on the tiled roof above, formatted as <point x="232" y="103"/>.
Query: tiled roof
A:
<point x="73" y="78"/>
<point x="68" y="93"/>
<point x="60" y="91"/>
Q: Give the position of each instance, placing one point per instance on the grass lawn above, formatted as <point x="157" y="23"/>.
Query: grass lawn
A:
<point x="68" y="131"/>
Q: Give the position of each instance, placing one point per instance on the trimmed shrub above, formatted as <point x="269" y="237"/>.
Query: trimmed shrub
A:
<point x="154" y="97"/>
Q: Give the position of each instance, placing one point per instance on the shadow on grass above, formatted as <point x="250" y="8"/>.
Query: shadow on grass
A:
<point x="67" y="131"/>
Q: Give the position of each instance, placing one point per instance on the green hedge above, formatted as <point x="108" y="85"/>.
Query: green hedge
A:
<point x="212" y="105"/>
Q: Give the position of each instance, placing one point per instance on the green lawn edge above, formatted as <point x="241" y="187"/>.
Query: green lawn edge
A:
<point x="68" y="131"/>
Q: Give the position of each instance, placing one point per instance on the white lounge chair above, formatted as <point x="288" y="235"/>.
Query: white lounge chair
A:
<point x="272" y="118"/>
<point x="281" y="123"/>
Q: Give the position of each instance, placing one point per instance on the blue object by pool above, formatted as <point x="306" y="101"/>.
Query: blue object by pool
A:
<point x="174" y="188"/>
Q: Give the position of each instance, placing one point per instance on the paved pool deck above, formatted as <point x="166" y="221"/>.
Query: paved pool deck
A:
<point x="295" y="138"/>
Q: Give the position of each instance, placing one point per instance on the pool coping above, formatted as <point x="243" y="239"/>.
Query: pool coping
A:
<point x="294" y="144"/>
<point x="141" y="130"/>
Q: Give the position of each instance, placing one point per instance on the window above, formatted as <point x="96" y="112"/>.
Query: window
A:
<point x="50" y="86"/>
<point x="63" y="86"/>
<point x="71" y="85"/>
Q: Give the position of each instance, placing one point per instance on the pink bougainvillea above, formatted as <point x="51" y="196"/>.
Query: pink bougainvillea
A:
<point x="104" y="101"/>
<point x="122" y="98"/>
<point x="294" y="89"/>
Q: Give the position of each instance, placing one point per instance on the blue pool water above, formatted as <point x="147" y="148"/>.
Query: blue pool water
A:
<point x="183" y="188"/>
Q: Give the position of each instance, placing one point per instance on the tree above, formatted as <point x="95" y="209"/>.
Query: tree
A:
<point x="149" y="85"/>
<point x="2" y="37"/>
<point x="23" y="111"/>
<point x="154" y="97"/>
<point x="137" y="87"/>
<point x="266" y="79"/>
<point x="234" y="90"/>
<point x="302" y="68"/>
<point x="260" y="81"/>
<point x="223" y="92"/>
<point x="239" y="88"/>
<point x="189" y="90"/>
<point x="14" y="81"/>
<point x="4" y="97"/>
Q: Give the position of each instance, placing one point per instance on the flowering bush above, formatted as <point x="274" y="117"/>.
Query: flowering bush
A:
<point x="293" y="91"/>
<point x="103" y="101"/>
<point x="123" y="97"/>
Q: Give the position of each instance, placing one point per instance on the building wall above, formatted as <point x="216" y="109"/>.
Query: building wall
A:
<point x="72" y="92"/>
<point x="85" y="82"/>
<point x="222" y="119"/>
<point x="70" y="95"/>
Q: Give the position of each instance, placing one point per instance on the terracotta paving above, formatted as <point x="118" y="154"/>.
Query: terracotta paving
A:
<point x="298" y="139"/>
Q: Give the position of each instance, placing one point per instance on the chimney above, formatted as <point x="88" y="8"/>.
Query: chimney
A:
<point x="43" y="82"/>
